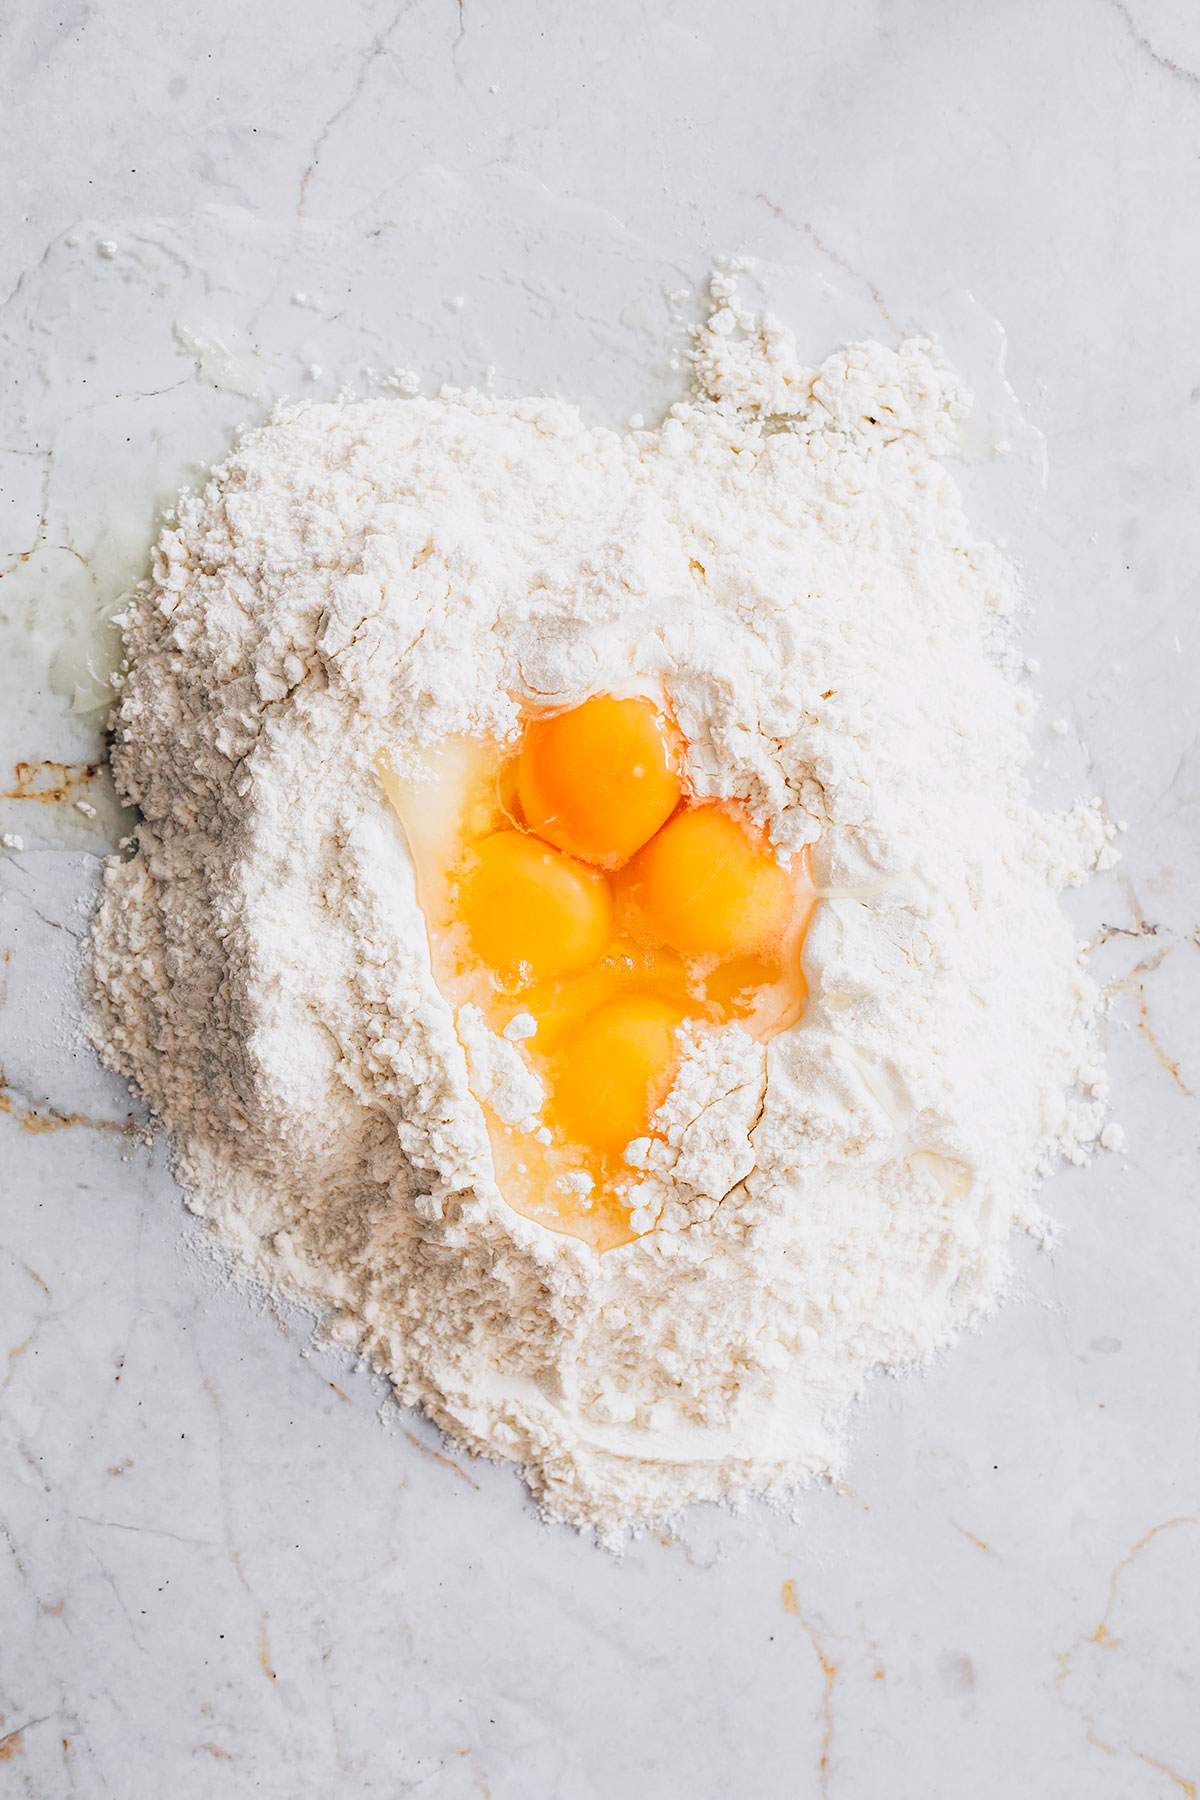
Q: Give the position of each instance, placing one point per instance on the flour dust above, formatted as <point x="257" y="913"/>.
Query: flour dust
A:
<point x="787" y="561"/>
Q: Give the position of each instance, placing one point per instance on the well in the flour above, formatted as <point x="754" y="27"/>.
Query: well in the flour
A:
<point x="575" y="873"/>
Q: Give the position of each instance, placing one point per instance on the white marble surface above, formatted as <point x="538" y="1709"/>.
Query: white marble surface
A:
<point x="228" y="1568"/>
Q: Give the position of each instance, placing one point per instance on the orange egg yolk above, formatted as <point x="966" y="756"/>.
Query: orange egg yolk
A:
<point x="530" y="912"/>
<point x="597" y="781"/>
<point x="598" y="920"/>
<point x="707" y="887"/>
<point x="615" y="1072"/>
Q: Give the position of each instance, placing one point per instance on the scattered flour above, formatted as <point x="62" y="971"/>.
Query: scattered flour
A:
<point x="788" y="561"/>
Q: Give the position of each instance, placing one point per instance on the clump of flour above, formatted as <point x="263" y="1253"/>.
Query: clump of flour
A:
<point x="789" y="562"/>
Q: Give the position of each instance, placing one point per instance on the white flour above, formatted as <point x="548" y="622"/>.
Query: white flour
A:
<point x="790" y="561"/>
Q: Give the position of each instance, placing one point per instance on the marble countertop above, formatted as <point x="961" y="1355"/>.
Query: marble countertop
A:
<point x="228" y="1566"/>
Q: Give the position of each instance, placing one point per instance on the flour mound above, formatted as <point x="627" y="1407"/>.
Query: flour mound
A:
<point x="788" y="561"/>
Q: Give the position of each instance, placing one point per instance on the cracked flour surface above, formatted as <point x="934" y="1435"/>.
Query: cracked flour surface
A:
<point x="788" y="560"/>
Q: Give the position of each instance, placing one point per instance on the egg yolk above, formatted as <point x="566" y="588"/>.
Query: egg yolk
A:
<point x="615" y="1072"/>
<point x="587" y="911"/>
<point x="530" y="912"/>
<point x="597" y="781"/>
<point x="706" y="887"/>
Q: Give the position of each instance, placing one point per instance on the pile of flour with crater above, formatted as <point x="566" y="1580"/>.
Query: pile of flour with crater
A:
<point x="789" y="562"/>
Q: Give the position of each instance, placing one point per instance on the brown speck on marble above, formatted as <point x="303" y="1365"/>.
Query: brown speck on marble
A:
<point x="50" y="783"/>
<point x="40" y="1119"/>
<point x="829" y="1670"/>
<point x="428" y="1450"/>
